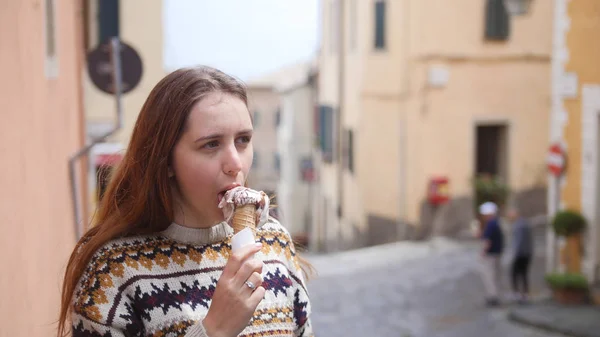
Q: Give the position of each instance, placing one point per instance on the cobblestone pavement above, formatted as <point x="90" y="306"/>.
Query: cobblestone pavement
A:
<point x="425" y="290"/>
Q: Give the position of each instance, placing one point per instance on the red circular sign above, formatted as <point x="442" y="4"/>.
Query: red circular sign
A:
<point x="556" y="160"/>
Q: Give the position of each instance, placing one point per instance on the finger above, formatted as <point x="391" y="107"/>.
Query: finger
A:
<point x="248" y="267"/>
<point x="235" y="260"/>
<point x="256" y="280"/>
<point x="256" y="297"/>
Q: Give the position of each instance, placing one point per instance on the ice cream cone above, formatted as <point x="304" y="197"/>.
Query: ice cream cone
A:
<point x="244" y="216"/>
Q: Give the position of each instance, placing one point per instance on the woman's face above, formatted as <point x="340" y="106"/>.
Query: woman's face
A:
<point x="213" y="155"/>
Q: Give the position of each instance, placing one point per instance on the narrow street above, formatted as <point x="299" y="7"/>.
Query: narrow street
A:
<point x="425" y="289"/>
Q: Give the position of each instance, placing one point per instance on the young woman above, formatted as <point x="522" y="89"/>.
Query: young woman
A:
<point x="158" y="261"/>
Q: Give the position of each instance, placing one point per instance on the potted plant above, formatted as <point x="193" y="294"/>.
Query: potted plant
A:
<point x="568" y="288"/>
<point x="567" y="223"/>
<point x="570" y="224"/>
<point x="490" y="188"/>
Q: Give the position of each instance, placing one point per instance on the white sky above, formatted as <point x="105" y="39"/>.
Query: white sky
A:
<point x="245" y="38"/>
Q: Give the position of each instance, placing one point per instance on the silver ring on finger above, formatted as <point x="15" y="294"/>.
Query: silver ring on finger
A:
<point x="250" y="285"/>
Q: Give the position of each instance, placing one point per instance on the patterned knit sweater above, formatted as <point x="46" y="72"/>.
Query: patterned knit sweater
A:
<point x="162" y="285"/>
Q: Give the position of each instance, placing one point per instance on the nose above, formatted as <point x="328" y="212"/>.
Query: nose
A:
<point x="232" y="163"/>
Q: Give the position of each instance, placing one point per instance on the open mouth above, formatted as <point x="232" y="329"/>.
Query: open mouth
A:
<point x="221" y="195"/>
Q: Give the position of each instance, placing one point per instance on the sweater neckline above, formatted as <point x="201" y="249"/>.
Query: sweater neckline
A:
<point x="198" y="236"/>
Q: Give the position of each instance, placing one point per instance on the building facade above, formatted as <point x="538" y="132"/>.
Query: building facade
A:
<point x="575" y="123"/>
<point x="144" y="35"/>
<point x="295" y="143"/>
<point x="265" y="106"/>
<point x="405" y="100"/>
<point x="41" y="57"/>
<point x="282" y="104"/>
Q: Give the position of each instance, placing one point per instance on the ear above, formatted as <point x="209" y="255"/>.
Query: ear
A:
<point x="171" y="173"/>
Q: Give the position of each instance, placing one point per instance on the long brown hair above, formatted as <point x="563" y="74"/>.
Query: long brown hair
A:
<point x="138" y="197"/>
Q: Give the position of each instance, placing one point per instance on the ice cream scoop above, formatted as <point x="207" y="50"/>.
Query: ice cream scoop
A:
<point x="245" y="208"/>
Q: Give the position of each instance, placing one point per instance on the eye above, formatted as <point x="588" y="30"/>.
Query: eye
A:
<point x="211" y="145"/>
<point x="244" y="139"/>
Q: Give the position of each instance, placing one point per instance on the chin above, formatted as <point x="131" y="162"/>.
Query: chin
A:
<point x="219" y="218"/>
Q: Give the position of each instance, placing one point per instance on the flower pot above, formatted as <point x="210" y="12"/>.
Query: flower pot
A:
<point x="569" y="296"/>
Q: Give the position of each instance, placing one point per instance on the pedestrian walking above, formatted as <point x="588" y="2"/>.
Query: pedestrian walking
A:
<point x="493" y="245"/>
<point x="522" y="254"/>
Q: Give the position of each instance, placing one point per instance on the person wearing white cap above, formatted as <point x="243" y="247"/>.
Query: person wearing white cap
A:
<point x="492" y="250"/>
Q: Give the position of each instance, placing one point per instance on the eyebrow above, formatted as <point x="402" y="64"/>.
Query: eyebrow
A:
<point x="218" y="135"/>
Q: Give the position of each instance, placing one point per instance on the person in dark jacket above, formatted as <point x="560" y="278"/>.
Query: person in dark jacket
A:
<point x="493" y="245"/>
<point x="522" y="238"/>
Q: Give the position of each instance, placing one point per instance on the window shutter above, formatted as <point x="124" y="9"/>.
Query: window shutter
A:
<point x="328" y="150"/>
<point x="278" y="117"/>
<point x="276" y="162"/>
<point x="326" y="132"/>
<point x="256" y="118"/>
<point x="380" y="24"/>
<point x="351" y="150"/>
<point x="108" y="20"/>
<point x="322" y="126"/>
<point x="255" y="160"/>
<point x="496" y="21"/>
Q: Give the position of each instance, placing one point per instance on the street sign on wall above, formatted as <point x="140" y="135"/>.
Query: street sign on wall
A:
<point x="556" y="160"/>
<point x="99" y="67"/>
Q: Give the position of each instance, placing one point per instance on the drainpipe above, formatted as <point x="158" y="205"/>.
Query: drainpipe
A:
<point x="115" y="46"/>
<point x="340" y="125"/>
<point x="401" y="224"/>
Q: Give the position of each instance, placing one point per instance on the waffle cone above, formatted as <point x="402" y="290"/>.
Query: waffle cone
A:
<point x="244" y="216"/>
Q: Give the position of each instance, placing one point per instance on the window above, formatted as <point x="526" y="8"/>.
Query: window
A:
<point x="326" y="132"/>
<point x="276" y="162"/>
<point x="349" y="150"/>
<point x="255" y="118"/>
<point x="277" y="117"/>
<point x="380" y="24"/>
<point x="352" y="35"/>
<point x="496" y="21"/>
<point x="255" y="160"/>
<point x="491" y="156"/>
<point x="334" y="30"/>
<point x="51" y="65"/>
<point x="108" y="20"/>
<point x="307" y="170"/>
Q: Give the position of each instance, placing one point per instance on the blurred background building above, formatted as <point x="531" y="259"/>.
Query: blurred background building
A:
<point x="41" y="57"/>
<point x="265" y="106"/>
<point x="380" y="132"/>
<point x="575" y="125"/>
<point x="414" y="92"/>
<point x="283" y="104"/>
<point x="142" y="37"/>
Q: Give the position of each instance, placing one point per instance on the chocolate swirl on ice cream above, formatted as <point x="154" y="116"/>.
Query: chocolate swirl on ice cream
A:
<point x="244" y="207"/>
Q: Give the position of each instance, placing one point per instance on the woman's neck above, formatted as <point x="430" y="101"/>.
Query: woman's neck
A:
<point x="187" y="217"/>
<point x="198" y="236"/>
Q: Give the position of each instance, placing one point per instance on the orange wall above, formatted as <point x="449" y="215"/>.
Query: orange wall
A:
<point x="41" y="127"/>
<point x="584" y="60"/>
